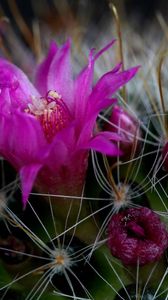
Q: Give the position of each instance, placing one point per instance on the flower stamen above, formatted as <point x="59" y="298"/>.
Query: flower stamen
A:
<point x="52" y="113"/>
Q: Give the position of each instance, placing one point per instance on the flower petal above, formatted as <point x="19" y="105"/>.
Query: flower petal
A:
<point x="63" y="146"/>
<point x="101" y="144"/>
<point x="21" y="139"/>
<point x="5" y="100"/>
<point x="88" y="128"/>
<point x="83" y="84"/>
<point x="59" y="154"/>
<point x="43" y="69"/>
<point x="110" y="136"/>
<point x="60" y="74"/>
<point x="100" y="106"/>
<point x="110" y="83"/>
<point x="83" y="88"/>
<point x="28" y="175"/>
<point x="17" y="82"/>
<point x="91" y="116"/>
<point x="104" y="49"/>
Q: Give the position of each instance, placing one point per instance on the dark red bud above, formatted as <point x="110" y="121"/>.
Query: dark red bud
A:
<point x="137" y="235"/>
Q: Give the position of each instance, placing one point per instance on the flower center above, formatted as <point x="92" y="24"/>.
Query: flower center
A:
<point x="52" y="113"/>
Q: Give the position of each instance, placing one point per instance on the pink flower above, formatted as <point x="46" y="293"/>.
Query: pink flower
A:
<point x="46" y="131"/>
<point x="137" y="234"/>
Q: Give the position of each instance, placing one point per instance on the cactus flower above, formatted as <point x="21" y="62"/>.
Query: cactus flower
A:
<point x="47" y="129"/>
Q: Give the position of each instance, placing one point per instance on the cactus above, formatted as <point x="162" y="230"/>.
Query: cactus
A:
<point x="83" y="190"/>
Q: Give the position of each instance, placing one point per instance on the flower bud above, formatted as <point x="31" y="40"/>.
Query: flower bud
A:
<point x="137" y="235"/>
<point x="128" y="127"/>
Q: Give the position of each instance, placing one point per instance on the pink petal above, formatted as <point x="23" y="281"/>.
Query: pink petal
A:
<point x="83" y="88"/>
<point x="83" y="84"/>
<point x="5" y="100"/>
<point x="92" y="113"/>
<point x="59" y="154"/>
<point x="17" y="82"/>
<point x="28" y="175"/>
<point x="110" y="83"/>
<point x="104" y="49"/>
<point x="21" y="139"/>
<point x="117" y="68"/>
<point x="101" y="144"/>
<point x="110" y="136"/>
<point x="43" y="69"/>
<point x="88" y="128"/>
<point x="101" y="105"/>
<point x="60" y="74"/>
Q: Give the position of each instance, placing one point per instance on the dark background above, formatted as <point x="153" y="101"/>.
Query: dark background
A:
<point x="139" y="10"/>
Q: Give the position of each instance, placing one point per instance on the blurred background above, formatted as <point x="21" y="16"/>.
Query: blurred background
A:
<point x="59" y="14"/>
<point x="30" y="25"/>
